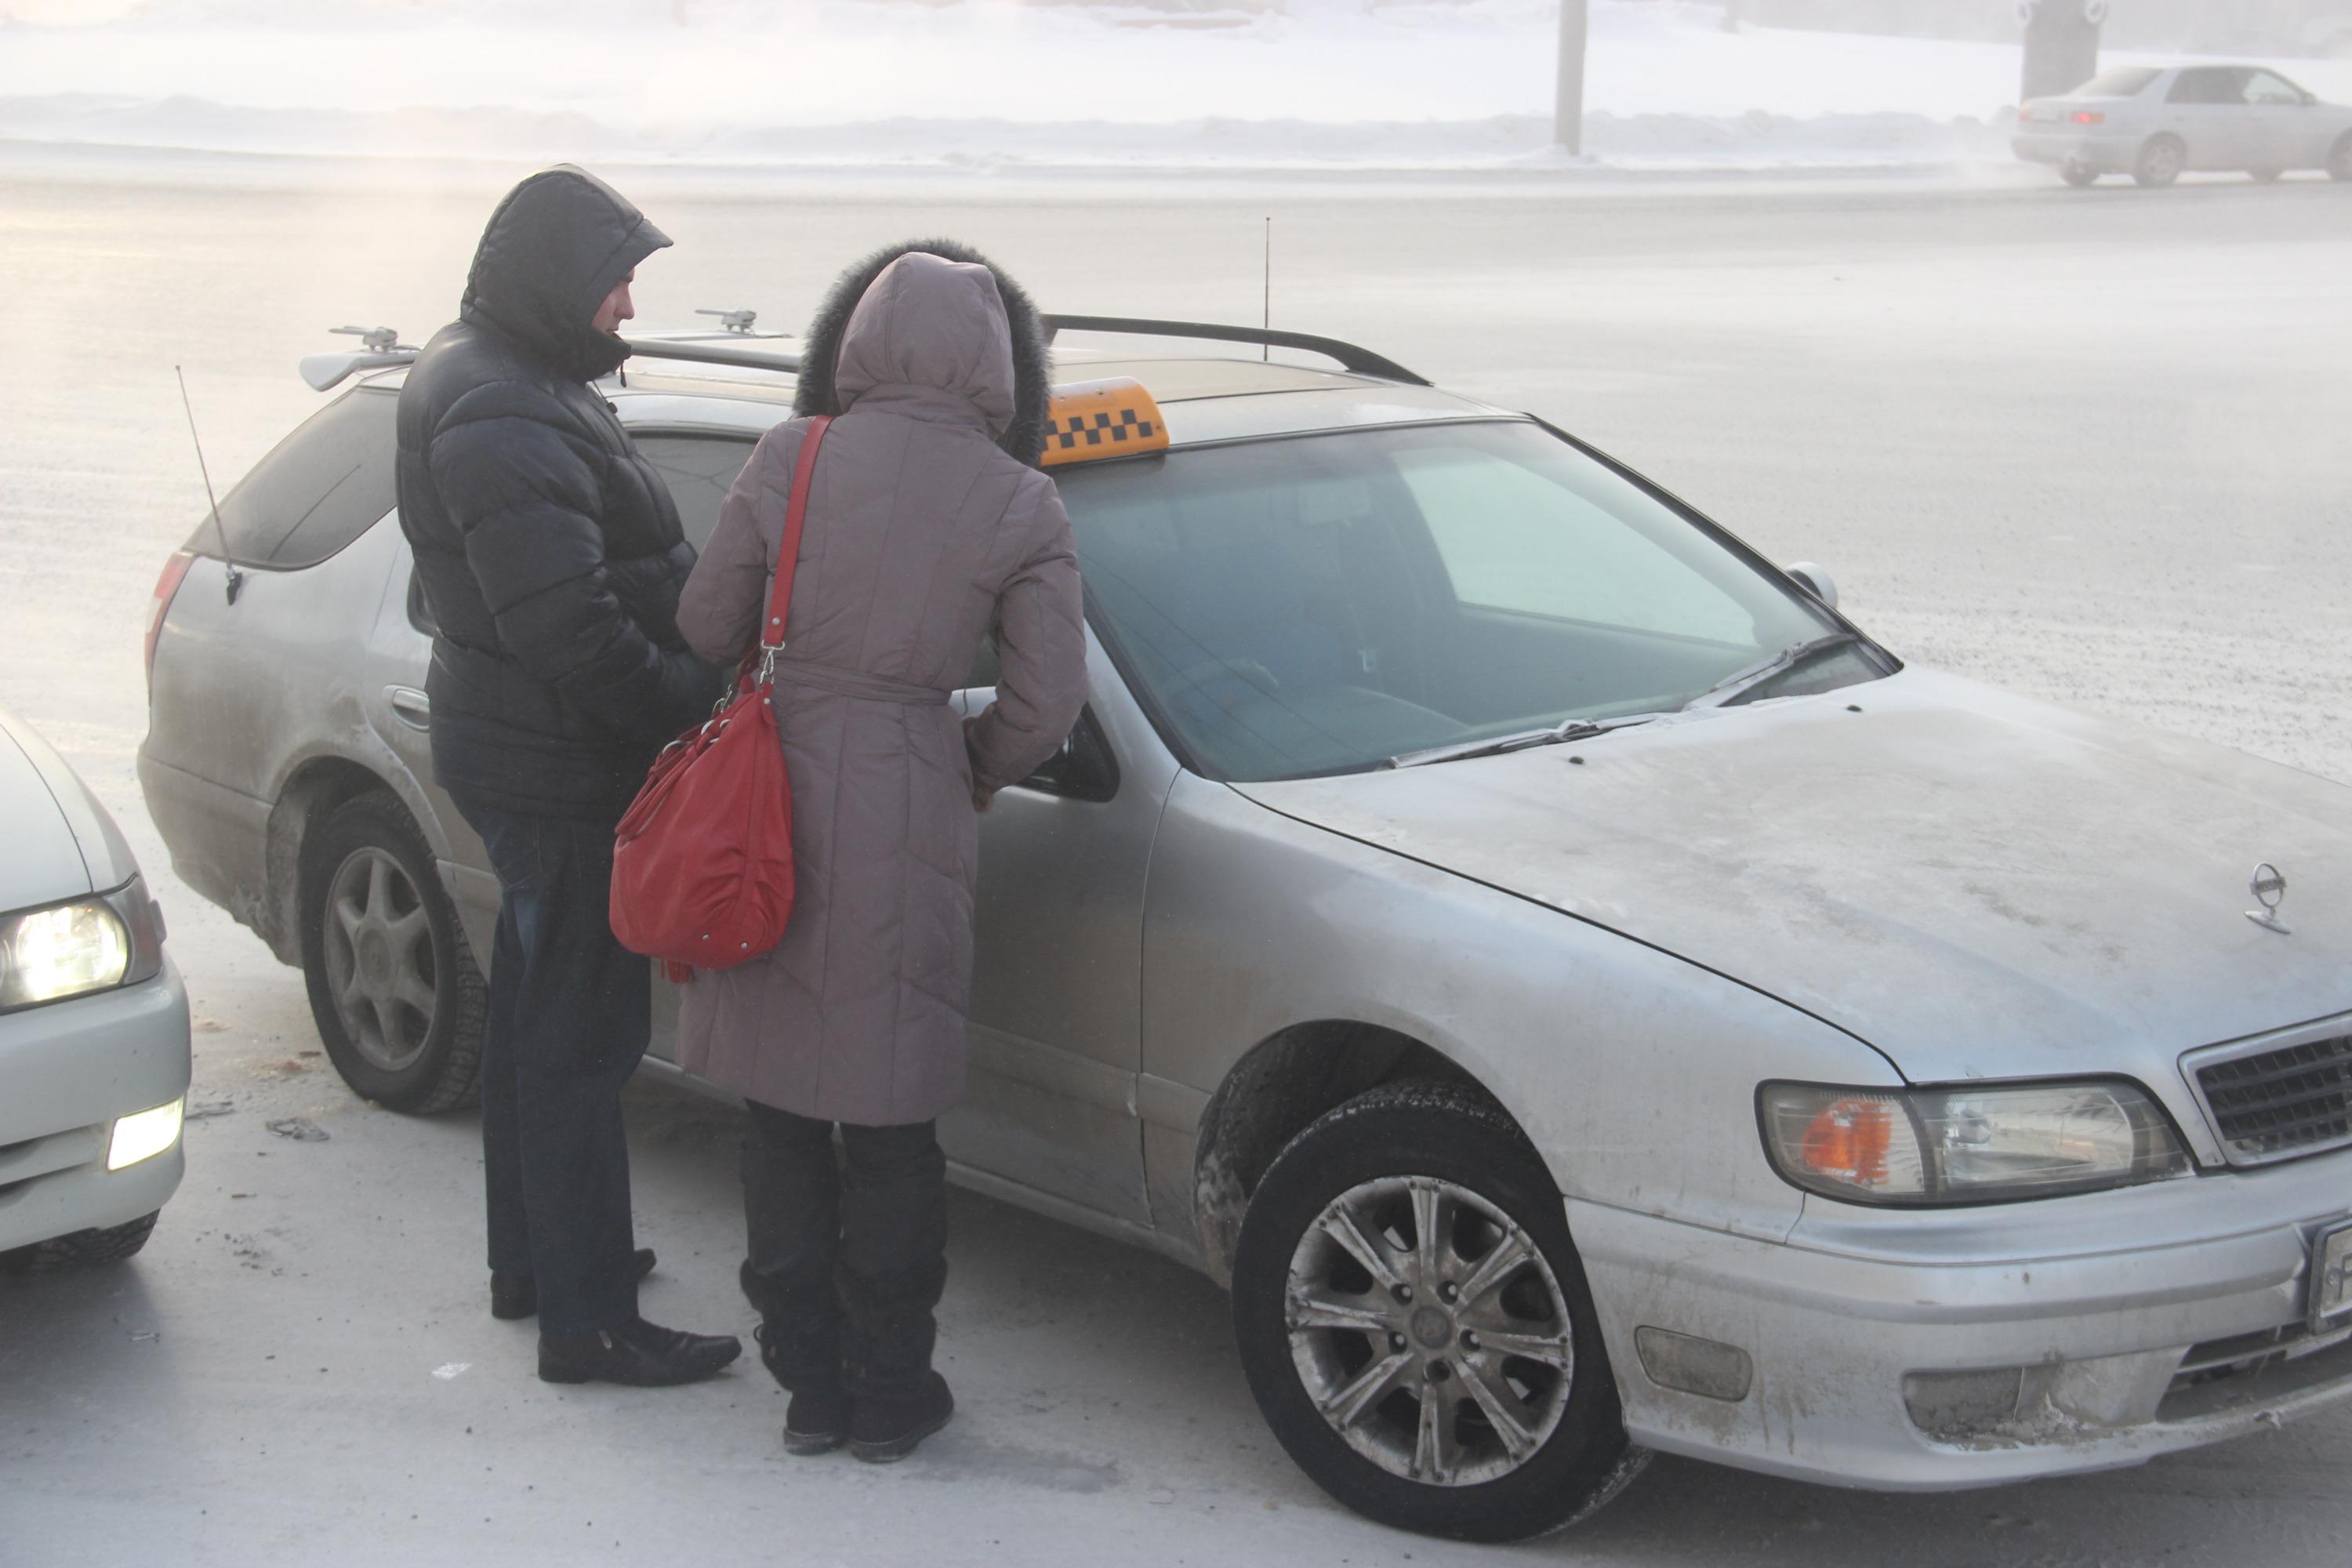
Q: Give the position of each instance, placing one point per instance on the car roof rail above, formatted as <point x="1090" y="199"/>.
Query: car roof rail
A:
<point x="383" y="350"/>
<point x="1351" y="357"/>
<point x="708" y="352"/>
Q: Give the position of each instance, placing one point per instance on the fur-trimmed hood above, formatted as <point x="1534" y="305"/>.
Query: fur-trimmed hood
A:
<point x="1033" y="377"/>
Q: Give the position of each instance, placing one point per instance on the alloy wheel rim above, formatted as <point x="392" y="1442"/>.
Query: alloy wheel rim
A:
<point x="2164" y="163"/>
<point x="380" y="964"/>
<point x="1429" y="1332"/>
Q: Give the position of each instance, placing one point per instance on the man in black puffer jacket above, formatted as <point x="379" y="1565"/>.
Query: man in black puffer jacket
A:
<point x="551" y="557"/>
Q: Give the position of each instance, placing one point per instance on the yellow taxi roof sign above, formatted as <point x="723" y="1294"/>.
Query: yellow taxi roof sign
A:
<point x="1094" y="419"/>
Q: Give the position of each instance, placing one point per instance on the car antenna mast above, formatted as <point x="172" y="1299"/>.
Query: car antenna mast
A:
<point x="1265" y="350"/>
<point x="236" y="577"/>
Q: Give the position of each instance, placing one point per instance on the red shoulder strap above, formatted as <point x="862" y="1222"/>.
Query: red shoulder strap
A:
<point x="788" y="554"/>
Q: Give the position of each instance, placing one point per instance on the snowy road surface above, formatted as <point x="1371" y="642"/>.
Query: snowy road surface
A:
<point x="2091" y="445"/>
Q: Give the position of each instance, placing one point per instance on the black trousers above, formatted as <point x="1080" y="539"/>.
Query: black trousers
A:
<point x="846" y="1257"/>
<point x="571" y="1011"/>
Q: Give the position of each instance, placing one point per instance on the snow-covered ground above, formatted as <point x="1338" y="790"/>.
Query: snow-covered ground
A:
<point x="985" y="84"/>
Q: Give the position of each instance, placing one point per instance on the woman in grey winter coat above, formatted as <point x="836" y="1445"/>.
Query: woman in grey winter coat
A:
<point x="926" y="529"/>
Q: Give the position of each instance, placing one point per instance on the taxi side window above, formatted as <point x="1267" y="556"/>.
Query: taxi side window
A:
<point x="699" y="470"/>
<point x="983" y="664"/>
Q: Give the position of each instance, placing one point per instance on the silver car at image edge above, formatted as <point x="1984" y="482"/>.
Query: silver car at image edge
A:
<point x="2156" y="123"/>
<point x="1582" y="995"/>
<point x="94" y="1053"/>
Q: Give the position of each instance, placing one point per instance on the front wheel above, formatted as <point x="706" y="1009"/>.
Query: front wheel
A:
<point x="2340" y="159"/>
<point x="1416" y="1327"/>
<point x="394" y="987"/>
<point x="2160" y="161"/>
<point x="83" y="1248"/>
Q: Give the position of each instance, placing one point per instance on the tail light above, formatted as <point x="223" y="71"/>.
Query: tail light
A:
<point x="2089" y="117"/>
<point x="2025" y="117"/>
<point x="166" y="584"/>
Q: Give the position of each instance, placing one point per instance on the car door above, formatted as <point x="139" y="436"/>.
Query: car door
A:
<point x="699" y="467"/>
<point x="2206" y="108"/>
<point x="2282" y="131"/>
<point x="1056" y="1007"/>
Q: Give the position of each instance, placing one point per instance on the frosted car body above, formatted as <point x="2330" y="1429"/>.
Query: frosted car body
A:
<point x="2155" y="124"/>
<point x="93" y="1052"/>
<point x="1383" y="779"/>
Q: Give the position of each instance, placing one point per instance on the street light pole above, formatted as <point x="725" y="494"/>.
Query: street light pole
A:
<point x="1567" y="105"/>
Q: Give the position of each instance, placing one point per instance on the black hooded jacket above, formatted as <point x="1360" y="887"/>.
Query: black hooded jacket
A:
<point x="548" y="551"/>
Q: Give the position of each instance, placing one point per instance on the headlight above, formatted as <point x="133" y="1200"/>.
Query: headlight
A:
<point x="47" y="955"/>
<point x="1967" y="1145"/>
<point x="145" y="1135"/>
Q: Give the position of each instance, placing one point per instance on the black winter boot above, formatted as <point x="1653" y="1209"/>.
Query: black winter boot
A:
<point x="896" y="1399"/>
<point x="800" y="1345"/>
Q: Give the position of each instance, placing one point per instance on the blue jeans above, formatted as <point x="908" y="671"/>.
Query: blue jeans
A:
<point x="571" y="1011"/>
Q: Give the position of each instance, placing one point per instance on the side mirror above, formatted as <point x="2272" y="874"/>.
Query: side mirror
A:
<point x="1814" y="581"/>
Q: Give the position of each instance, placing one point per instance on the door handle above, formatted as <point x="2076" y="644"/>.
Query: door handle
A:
<point x="410" y="706"/>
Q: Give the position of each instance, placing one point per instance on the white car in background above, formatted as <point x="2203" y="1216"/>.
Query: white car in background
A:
<point x="2157" y="125"/>
<point x="93" y="1023"/>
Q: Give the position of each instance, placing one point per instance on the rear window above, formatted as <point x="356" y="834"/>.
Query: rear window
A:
<point x="2121" y="83"/>
<point x="318" y="490"/>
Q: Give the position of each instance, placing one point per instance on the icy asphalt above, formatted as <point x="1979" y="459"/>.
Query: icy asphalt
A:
<point x="2094" y="445"/>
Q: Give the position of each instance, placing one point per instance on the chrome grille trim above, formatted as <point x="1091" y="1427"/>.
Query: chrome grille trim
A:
<point x="2279" y="1095"/>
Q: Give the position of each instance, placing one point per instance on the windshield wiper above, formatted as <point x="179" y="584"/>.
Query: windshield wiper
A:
<point x="1574" y="730"/>
<point x="1754" y="675"/>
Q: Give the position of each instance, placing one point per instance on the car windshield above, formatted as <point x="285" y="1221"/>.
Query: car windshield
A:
<point x="1322" y="603"/>
<point x="2120" y="83"/>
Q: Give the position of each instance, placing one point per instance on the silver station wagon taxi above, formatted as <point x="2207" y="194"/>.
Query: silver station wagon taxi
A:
<point x="1583" y="994"/>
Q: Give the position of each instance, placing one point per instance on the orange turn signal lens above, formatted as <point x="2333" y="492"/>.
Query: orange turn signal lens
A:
<point x="1847" y="1141"/>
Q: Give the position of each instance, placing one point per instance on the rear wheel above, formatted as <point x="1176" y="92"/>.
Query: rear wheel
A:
<point x="1416" y="1327"/>
<point x="2160" y="161"/>
<point x="2340" y="159"/>
<point x="394" y="987"/>
<point x="2078" y="174"/>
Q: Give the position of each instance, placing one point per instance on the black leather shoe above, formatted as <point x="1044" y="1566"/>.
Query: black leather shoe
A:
<point x="817" y="1421"/>
<point x="516" y="1296"/>
<point x="638" y="1353"/>
<point x="883" y="1431"/>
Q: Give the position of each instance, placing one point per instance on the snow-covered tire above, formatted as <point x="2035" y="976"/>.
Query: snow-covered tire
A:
<point x="2339" y="158"/>
<point x="1456" y="1384"/>
<point x="100" y="1247"/>
<point x="2160" y="161"/>
<point x="394" y="989"/>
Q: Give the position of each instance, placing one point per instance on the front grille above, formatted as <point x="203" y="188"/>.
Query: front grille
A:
<point x="2292" y="1101"/>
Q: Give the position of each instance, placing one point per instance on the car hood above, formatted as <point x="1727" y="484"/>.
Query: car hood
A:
<point x="60" y="843"/>
<point x="1976" y="883"/>
<point x="42" y="863"/>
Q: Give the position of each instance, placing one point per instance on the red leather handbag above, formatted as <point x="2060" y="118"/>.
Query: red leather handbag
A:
<point x="702" y="861"/>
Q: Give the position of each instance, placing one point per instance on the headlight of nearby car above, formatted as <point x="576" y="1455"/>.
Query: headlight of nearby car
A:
<point x="72" y="949"/>
<point x="1967" y="1144"/>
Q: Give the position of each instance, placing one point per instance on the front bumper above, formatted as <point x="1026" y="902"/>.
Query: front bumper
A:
<point x="1883" y="1344"/>
<point x="2107" y="154"/>
<point x="67" y="1071"/>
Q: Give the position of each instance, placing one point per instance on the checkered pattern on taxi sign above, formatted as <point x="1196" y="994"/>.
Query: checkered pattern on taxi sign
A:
<point x="1094" y="419"/>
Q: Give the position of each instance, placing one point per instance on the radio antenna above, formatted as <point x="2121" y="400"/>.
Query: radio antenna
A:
<point x="1265" y="350"/>
<point x="236" y="577"/>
